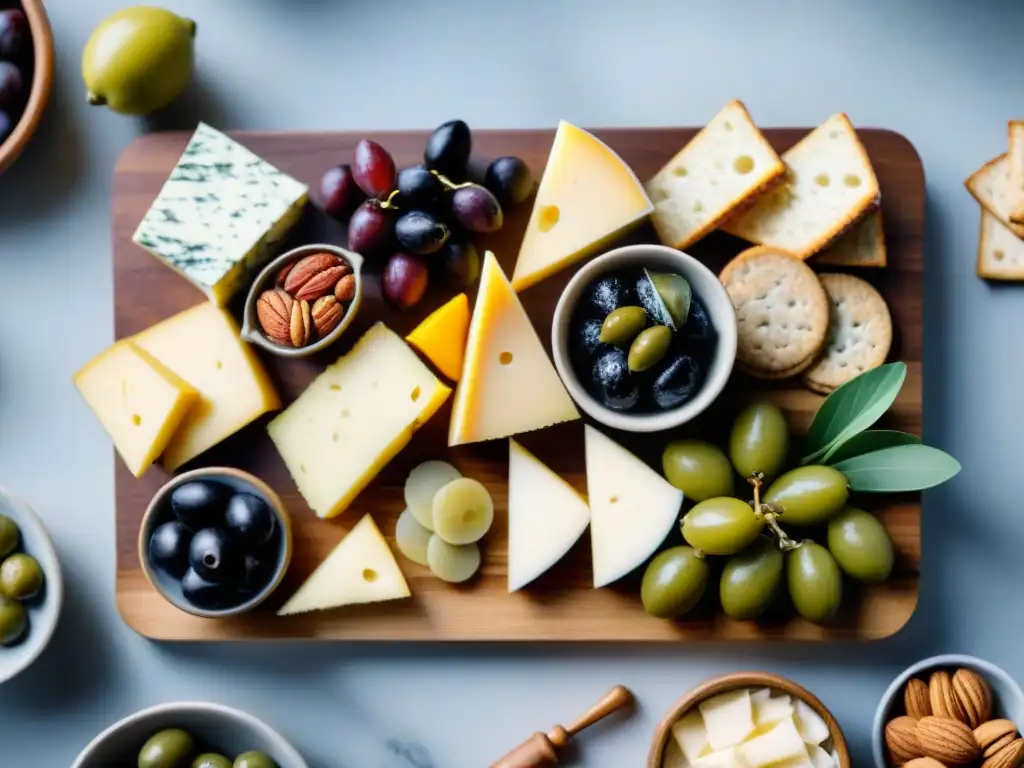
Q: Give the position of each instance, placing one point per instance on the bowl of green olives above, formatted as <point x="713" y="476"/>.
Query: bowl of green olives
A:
<point x="31" y="587"/>
<point x="644" y="338"/>
<point x="215" y="542"/>
<point x="190" y="735"/>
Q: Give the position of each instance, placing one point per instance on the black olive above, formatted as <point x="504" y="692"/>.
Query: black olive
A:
<point x="250" y="518"/>
<point x="608" y="293"/>
<point x="698" y="330"/>
<point x="168" y="548"/>
<point x="611" y="382"/>
<point x="216" y="556"/>
<point x="202" y="593"/>
<point x="584" y="343"/>
<point x="199" y="503"/>
<point x="677" y="380"/>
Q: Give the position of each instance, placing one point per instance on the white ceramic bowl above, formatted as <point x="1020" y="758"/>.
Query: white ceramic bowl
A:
<point x="705" y="284"/>
<point x="44" y="611"/>
<point x="212" y="725"/>
<point x="1008" y="700"/>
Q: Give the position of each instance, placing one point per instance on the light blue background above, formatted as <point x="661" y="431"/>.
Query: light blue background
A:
<point x="946" y="73"/>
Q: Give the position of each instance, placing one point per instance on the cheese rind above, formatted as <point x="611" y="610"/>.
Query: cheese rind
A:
<point x="220" y="214"/>
<point x="354" y="418"/>
<point x="586" y="198"/>
<point x="441" y="337"/>
<point x="138" y="400"/>
<point x="203" y="347"/>
<point x="361" y="569"/>
<point x="508" y="384"/>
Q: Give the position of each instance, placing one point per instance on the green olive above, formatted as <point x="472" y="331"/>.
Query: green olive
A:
<point x="9" y="535"/>
<point x="254" y="760"/>
<point x="674" y="583"/>
<point x="721" y="526"/>
<point x="759" y="441"/>
<point x="815" y="584"/>
<point x="169" y="748"/>
<point x="211" y="760"/>
<point x="13" y="621"/>
<point x="808" y="495"/>
<point x="21" y="578"/>
<point x="622" y="325"/>
<point x="649" y="347"/>
<point x="751" y="579"/>
<point x="697" y="468"/>
<point x="861" y="545"/>
<point x="675" y="293"/>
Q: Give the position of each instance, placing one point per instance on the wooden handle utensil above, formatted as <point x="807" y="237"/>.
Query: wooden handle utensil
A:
<point x="542" y="750"/>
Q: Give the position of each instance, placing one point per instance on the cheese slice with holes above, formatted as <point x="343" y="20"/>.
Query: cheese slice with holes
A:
<point x="586" y="198"/>
<point x="354" y="418"/>
<point x="138" y="400"/>
<point x="508" y="383"/>
<point x="361" y="569"/>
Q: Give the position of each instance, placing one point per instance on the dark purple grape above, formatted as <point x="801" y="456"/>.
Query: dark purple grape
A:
<point x="12" y="85"/>
<point x="420" y="232"/>
<point x="405" y="280"/>
<point x="677" y="380"/>
<point x="202" y="593"/>
<point x="373" y="169"/>
<point x="461" y="262"/>
<point x="6" y="125"/>
<point x="339" y="192"/>
<point x="250" y="518"/>
<point x="448" y="148"/>
<point x="509" y="180"/>
<point x="369" y="228"/>
<point x="216" y="556"/>
<point x="13" y="34"/>
<point x="476" y="209"/>
<point x="611" y="382"/>
<point x="199" y="503"/>
<point x="168" y="548"/>
<point x="419" y="188"/>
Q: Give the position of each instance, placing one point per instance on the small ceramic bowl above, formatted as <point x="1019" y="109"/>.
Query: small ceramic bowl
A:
<point x="1007" y="698"/>
<point x="42" y="80"/>
<point x="43" y="610"/>
<point x="705" y="284"/>
<point x="159" y="512"/>
<point x="230" y="732"/>
<point x="251" y="330"/>
<point x="735" y="681"/>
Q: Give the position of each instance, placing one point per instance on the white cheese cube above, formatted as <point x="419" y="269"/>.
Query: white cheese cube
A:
<point x="781" y="743"/>
<point x="723" y="758"/>
<point x="820" y="758"/>
<point x="760" y="695"/>
<point x="771" y="710"/>
<point x="810" y="724"/>
<point x="689" y="733"/>
<point x="728" y="718"/>
<point x="673" y="756"/>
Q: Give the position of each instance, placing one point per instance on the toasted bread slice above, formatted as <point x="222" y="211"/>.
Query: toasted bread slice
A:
<point x="1016" y="153"/>
<point x="830" y="185"/>
<point x="862" y="246"/>
<point x="1000" y="252"/>
<point x="990" y="186"/>
<point x="719" y="170"/>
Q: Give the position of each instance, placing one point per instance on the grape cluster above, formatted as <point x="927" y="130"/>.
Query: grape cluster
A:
<point x="422" y="216"/>
<point x="761" y="554"/>
<point x="14" y="75"/>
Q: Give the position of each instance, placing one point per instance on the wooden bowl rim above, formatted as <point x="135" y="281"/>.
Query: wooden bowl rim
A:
<point x="730" y="682"/>
<point x="42" y="82"/>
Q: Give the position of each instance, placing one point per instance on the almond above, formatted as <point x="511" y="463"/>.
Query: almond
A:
<point x="944" y="702"/>
<point x="901" y="739"/>
<point x="301" y="324"/>
<point x="274" y="312"/>
<point x="282" y="274"/>
<point x="974" y="695"/>
<point x="915" y="699"/>
<point x="308" y="268"/>
<point x="345" y="289"/>
<point x="327" y="314"/>
<point x="321" y="283"/>
<point x="924" y="762"/>
<point x="994" y="735"/>
<point x="1010" y="756"/>
<point x="947" y="740"/>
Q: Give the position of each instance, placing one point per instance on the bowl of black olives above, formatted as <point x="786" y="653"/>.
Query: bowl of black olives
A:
<point x="644" y="338"/>
<point x="215" y="542"/>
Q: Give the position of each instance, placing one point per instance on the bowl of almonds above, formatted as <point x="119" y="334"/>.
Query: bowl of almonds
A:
<point x="303" y="300"/>
<point x="950" y="711"/>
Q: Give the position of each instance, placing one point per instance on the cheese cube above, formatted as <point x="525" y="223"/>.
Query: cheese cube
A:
<point x="819" y="758"/>
<point x="690" y="734"/>
<point x="203" y="347"/>
<point x="673" y="756"/>
<point x="354" y="418"/>
<point x="812" y="727"/>
<point x="723" y="758"/>
<point x="728" y="718"/>
<point x="771" y="710"/>
<point x="139" y="401"/>
<point x="221" y="215"/>
<point x="781" y="743"/>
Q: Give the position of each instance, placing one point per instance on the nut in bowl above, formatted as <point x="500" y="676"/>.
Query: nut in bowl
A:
<point x="753" y="719"/>
<point x="303" y="301"/>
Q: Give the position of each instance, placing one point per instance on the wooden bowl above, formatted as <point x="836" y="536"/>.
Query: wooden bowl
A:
<point x="42" y="80"/>
<point x="731" y="682"/>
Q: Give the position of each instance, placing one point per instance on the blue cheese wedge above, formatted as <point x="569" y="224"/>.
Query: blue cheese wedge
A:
<point x="221" y="214"/>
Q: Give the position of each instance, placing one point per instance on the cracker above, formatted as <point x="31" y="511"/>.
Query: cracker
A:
<point x="781" y="311"/>
<point x="862" y="246"/>
<point x="1015" y="149"/>
<point x="990" y="186"/>
<point x="1000" y="252"/>
<point x="859" y="336"/>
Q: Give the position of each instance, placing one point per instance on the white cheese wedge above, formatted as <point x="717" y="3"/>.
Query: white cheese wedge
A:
<point x="546" y="516"/>
<point x="781" y="743"/>
<point x="810" y="724"/>
<point x="819" y="758"/>
<point x="632" y="508"/>
<point x="508" y="383"/>
<point x="690" y="734"/>
<point x="354" y="418"/>
<point x="723" y="758"/>
<point x="221" y="214"/>
<point x="728" y="718"/>
<point x="361" y="569"/>
<point x="772" y="710"/>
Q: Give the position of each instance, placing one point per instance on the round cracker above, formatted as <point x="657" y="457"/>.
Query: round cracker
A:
<point x="860" y="333"/>
<point x="781" y="312"/>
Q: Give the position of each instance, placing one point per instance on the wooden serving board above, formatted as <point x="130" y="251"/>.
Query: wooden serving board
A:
<point x="561" y="605"/>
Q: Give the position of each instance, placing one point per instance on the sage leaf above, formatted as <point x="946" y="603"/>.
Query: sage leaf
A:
<point x="872" y="440"/>
<point x="898" y="469"/>
<point x="852" y="408"/>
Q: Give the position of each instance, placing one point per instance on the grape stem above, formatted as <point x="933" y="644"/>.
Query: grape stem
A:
<point x="766" y="513"/>
<point x="449" y="184"/>
<point x="388" y="204"/>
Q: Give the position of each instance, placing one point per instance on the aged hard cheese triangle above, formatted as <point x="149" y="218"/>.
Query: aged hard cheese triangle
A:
<point x="441" y="337"/>
<point x="545" y="517"/>
<point x="361" y="569"/>
<point x="586" y="198"/>
<point x="508" y="383"/>
<point x="632" y="508"/>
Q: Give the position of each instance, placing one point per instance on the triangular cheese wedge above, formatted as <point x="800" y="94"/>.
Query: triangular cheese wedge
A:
<point x="545" y="517"/>
<point x="632" y="508"/>
<point x="441" y="337"/>
<point x="587" y="197"/>
<point x="361" y="569"/>
<point x="508" y="383"/>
